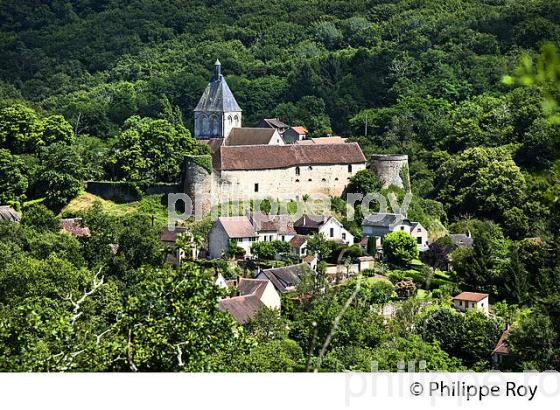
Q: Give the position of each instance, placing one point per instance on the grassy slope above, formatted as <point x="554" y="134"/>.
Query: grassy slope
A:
<point x="149" y="205"/>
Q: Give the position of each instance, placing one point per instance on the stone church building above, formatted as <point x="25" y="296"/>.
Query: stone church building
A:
<point x="252" y="163"/>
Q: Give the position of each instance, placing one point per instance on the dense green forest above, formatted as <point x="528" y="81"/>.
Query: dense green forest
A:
<point x="104" y="90"/>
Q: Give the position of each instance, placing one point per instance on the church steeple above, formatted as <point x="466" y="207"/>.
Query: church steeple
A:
<point x="217" y="111"/>
<point x="217" y="70"/>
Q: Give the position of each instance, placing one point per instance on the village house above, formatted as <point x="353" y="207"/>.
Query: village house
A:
<point x="254" y="294"/>
<point x="299" y="245"/>
<point x="168" y="238"/>
<point x="295" y="134"/>
<point x="501" y="351"/>
<point x="380" y="224"/>
<point x="471" y="301"/>
<point x="275" y="124"/>
<point x="231" y="228"/>
<point x="285" y="278"/>
<point x="329" y="226"/>
<point x="462" y="240"/>
<point x="272" y="227"/>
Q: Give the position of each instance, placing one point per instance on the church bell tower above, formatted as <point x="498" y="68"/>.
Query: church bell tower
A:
<point x="217" y="111"/>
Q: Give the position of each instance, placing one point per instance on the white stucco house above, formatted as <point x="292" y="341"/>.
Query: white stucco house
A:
<point x="329" y="226"/>
<point x="471" y="301"/>
<point x="380" y="224"/>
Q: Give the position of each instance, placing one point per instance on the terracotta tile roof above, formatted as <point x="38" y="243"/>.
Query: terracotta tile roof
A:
<point x="300" y="129"/>
<point x="237" y="226"/>
<point x="74" y="227"/>
<point x="282" y="224"/>
<point x="501" y="346"/>
<point x="329" y="140"/>
<point x="167" y="235"/>
<point x="245" y="306"/>
<point x="471" y="296"/>
<point x="242" y="308"/>
<point x="285" y="156"/>
<point x="214" y="143"/>
<point x="297" y="241"/>
<point x="249" y="136"/>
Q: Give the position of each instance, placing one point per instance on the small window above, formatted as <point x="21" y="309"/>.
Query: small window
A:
<point x="402" y="228"/>
<point x="350" y="168"/>
<point x="331" y="232"/>
<point x="336" y="179"/>
<point x="324" y="180"/>
<point x="309" y="179"/>
<point x="419" y="240"/>
<point x="419" y="230"/>
<point x="283" y="238"/>
<point x="310" y="167"/>
<point x="256" y="187"/>
<point x="297" y="180"/>
<point x="297" y="171"/>
<point x="344" y="236"/>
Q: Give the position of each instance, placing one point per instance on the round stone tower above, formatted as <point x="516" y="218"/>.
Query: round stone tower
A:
<point x="391" y="170"/>
<point x="198" y="182"/>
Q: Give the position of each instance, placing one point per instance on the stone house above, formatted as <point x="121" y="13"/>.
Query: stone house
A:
<point x="254" y="294"/>
<point x="294" y="134"/>
<point x="227" y="229"/>
<point x="380" y="224"/>
<point x="326" y="225"/>
<point x="253" y="136"/>
<point x="248" y="229"/>
<point x="471" y="301"/>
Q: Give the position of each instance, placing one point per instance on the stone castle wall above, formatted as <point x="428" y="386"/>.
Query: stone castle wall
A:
<point x="391" y="170"/>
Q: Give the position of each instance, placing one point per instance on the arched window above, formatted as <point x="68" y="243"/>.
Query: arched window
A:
<point x="324" y="180"/>
<point x="297" y="180"/>
<point x="336" y="179"/>
<point x="230" y="120"/>
<point x="236" y="120"/>
<point x="297" y="171"/>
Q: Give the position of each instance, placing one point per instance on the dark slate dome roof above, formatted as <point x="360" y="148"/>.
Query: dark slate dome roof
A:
<point x="217" y="96"/>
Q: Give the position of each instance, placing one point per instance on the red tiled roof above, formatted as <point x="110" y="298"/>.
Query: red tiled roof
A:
<point x="300" y="129"/>
<point x="501" y="346"/>
<point x="249" y="136"/>
<point x="285" y="156"/>
<point x="242" y="308"/>
<point x="297" y="241"/>
<point x="329" y="140"/>
<point x="237" y="226"/>
<point x="74" y="227"/>
<point x="471" y="296"/>
<point x="281" y="224"/>
<point x="168" y="235"/>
